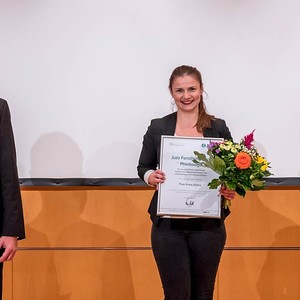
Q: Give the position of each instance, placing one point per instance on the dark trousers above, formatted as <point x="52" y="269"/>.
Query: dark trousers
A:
<point x="187" y="254"/>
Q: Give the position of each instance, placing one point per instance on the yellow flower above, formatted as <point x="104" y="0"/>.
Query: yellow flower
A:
<point x="264" y="167"/>
<point x="262" y="161"/>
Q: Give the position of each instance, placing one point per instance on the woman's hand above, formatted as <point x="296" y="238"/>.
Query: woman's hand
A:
<point x="156" y="177"/>
<point x="227" y="194"/>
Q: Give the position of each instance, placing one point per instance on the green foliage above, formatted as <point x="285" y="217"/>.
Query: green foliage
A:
<point x="221" y="158"/>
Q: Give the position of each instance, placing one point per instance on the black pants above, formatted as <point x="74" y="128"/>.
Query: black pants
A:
<point x="187" y="254"/>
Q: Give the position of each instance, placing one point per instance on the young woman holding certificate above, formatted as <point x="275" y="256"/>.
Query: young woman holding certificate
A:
<point x="187" y="250"/>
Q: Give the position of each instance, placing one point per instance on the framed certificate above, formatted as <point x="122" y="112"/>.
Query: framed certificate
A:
<point x="185" y="192"/>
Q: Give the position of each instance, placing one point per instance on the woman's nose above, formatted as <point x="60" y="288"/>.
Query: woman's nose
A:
<point x="186" y="95"/>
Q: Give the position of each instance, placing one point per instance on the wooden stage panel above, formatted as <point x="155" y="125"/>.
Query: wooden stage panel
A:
<point x="269" y="218"/>
<point x="7" y="281"/>
<point x="86" y="274"/>
<point x="89" y="243"/>
<point x="259" y="275"/>
<point x="118" y="218"/>
<point x="89" y="218"/>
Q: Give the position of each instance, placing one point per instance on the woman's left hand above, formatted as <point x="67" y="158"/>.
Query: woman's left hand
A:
<point x="228" y="194"/>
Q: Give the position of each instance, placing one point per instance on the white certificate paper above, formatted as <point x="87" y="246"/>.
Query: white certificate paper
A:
<point x="185" y="192"/>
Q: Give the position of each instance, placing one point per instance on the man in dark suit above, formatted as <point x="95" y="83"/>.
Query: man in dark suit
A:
<point x="11" y="212"/>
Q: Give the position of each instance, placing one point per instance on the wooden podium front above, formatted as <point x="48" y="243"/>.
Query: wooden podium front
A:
<point x="93" y="243"/>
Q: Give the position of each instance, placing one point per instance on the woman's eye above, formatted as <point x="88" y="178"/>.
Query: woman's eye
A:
<point x="192" y="89"/>
<point x="179" y="91"/>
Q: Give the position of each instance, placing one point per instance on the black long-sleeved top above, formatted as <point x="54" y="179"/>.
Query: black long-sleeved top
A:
<point x="150" y="154"/>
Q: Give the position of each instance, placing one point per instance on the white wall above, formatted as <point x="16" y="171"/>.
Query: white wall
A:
<point x="84" y="78"/>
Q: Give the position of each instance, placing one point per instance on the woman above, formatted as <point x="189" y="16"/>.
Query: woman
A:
<point x="187" y="251"/>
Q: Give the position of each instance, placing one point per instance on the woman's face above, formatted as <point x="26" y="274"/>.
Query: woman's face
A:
<point x="186" y="91"/>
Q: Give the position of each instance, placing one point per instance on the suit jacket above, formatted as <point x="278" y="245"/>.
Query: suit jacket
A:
<point x="11" y="212"/>
<point x="150" y="154"/>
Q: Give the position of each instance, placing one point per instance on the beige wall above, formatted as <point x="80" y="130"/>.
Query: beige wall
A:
<point x="93" y="243"/>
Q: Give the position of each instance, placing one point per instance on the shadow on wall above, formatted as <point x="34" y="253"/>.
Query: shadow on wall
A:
<point x="284" y="267"/>
<point x="37" y="267"/>
<point x="89" y="272"/>
<point x="56" y="155"/>
<point x="54" y="219"/>
<point x="263" y="219"/>
<point x="113" y="161"/>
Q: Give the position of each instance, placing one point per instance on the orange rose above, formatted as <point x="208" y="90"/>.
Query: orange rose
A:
<point x="242" y="160"/>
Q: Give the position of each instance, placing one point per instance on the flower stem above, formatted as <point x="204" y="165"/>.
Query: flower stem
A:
<point x="227" y="203"/>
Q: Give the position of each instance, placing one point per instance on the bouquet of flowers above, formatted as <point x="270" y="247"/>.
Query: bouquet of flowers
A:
<point x="240" y="166"/>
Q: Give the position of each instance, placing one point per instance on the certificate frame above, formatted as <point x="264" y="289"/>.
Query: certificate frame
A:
<point x="185" y="192"/>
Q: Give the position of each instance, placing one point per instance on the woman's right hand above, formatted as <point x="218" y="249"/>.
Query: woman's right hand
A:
<point x="156" y="177"/>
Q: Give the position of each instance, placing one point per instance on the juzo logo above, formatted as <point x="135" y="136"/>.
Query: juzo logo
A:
<point x="189" y="202"/>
